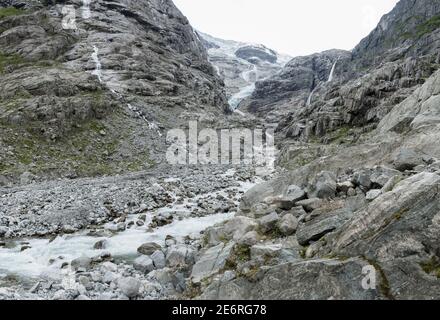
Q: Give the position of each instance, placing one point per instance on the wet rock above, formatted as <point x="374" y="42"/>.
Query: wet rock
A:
<point x="3" y="231"/>
<point x="149" y="248"/>
<point x="101" y="244"/>
<point x="82" y="262"/>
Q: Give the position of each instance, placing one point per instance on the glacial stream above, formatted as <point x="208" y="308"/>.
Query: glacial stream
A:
<point x="44" y="257"/>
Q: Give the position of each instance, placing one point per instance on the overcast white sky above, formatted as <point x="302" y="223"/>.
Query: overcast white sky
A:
<point x="295" y="27"/>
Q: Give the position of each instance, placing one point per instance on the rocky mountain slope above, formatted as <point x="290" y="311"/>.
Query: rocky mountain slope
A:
<point x="97" y="99"/>
<point x="351" y="212"/>
<point x="241" y="65"/>
<point x="357" y="215"/>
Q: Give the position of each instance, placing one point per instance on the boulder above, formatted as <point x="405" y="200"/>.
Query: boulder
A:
<point x="129" y="286"/>
<point x="269" y="222"/>
<point x="325" y="186"/>
<point x="293" y="195"/>
<point x="149" y="248"/>
<point x="249" y="239"/>
<point x="82" y="262"/>
<point x="101" y="244"/>
<point x="288" y="224"/>
<point x="143" y="264"/>
<point x="265" y="250"/>
<point x="179" y="255"/>
<point x="373" y="194"/>
<point x="315" y="229"/>
<point x="211" y="261"/>
<point x="310" y="204"/>
<point x="238" y="227"/>
<point x="406" y="159"/>
<point x="159" y="260"/>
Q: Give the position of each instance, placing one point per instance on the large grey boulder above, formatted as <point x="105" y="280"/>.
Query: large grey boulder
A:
<point x="179" y="256"/>
<point x="325" y="186"/>
<point x="238" y="227"/>
<point x="158" y="258"/>
<point x="143" y="264"/>
<point x="211" y="261"/>
<point x="406" y="159"/>
<point x="269" y="222"/>
<point x="292" y="196"/>
<point x="149" y="248"/>
<point x="129" y="286"/>
<point x="82" y="262"/>
<point x="315" y="229"/>
<point x="288" y="224"/>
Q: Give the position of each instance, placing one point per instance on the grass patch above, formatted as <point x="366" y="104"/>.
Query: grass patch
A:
<point x="428" y="26"/>
<point x="432" y="267"/>
<point x="10" y="11"/>
<point x="9" y="60"/>
<point x="422" y="29"/>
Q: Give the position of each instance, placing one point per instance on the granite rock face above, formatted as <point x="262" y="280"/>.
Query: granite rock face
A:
<point x="101" y="96"/>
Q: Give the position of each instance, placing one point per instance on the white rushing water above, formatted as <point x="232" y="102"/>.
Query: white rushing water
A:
<point x="98" y="68"/>
<point x="309" y="99"/>
<point x="34" y="262"/>
<point x="151" y="125"/>
<point x="86" y="13"/>
<point x="332" y="72"/>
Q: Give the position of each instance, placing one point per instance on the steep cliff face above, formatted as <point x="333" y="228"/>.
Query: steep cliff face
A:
<point x="384" y="69"/>
<point x="411" y="28"/>
<point x="296" y="83"/>
<point x="96" y="97"/>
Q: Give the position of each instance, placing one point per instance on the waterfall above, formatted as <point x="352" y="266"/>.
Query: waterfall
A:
<point x="330" y="78"/>
<point x="86" y="14"/>
<point x="151" y="125"/>
<point x="97" y="72"/>
<point x="309" y="99"/>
